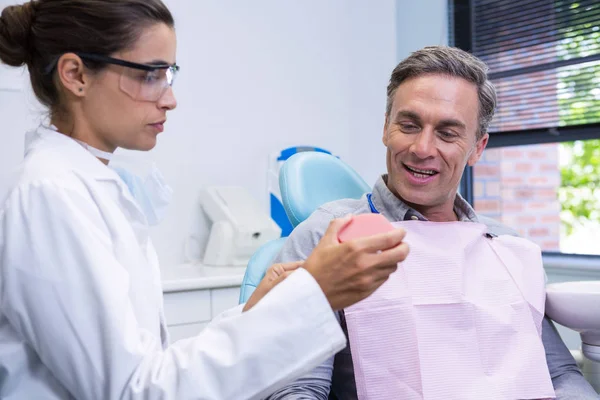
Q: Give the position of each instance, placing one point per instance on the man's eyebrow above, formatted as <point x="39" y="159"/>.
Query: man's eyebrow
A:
<point x="447" y="122"/>
<point x="452" y="123"/>
<point x="407" y="114"/>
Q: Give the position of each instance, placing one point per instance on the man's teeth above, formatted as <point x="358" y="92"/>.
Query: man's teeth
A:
<point x="421" y="173"/>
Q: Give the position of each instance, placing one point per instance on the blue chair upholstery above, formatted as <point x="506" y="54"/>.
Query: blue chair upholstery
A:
<point x="307" y="180"/>
<point x="310" y="179"/>
<point x="260" y="261"/>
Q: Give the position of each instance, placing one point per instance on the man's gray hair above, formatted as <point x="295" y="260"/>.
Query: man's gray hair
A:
<point x="452" y="62"/>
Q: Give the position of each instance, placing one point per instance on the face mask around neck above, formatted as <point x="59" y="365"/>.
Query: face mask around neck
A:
<point x="151" y="193"/>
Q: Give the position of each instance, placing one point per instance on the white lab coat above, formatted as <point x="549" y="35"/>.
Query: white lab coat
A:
<point x="81" y="311"/>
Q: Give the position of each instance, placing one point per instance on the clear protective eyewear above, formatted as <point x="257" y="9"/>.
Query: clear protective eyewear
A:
<point x="143" y="82"/>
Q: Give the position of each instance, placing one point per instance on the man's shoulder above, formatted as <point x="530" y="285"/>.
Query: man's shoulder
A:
<point x="496" y="227"/>
<point x="306" y="235"/>
<point x="341" y="208"/>
<point x="320" y="218"/>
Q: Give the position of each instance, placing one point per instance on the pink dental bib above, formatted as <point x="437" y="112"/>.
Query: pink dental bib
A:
<point x="461" y="319"/>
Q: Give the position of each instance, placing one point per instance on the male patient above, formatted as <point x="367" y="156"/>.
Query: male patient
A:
<point x="439" y="106"/>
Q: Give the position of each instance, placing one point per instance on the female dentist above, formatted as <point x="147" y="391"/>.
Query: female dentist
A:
<point x="80" y="294"/>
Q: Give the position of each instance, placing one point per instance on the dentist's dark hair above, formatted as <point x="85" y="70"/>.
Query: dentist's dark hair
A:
<point x="38" y="32"/>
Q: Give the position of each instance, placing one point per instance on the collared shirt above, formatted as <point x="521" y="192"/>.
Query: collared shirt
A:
<point x="395" y="209"/>
<point x="335" y="378"/>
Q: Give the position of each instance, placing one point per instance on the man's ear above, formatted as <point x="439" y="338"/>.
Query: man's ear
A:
<point x="479" y="147"/>
<point x="384" y="139"/>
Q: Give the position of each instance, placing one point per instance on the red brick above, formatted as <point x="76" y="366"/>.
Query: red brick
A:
<point x="524" y="167"/>
<point x="551" y="180"/>
<point x="538" y="155"/>
<point x="550" y="245"/>
<point x="547" y="206"/>
<point x="548" y="167"/>
<point x="534" y="193"/>
<point x="526" y="220"/>
<point x="512" y="154"/>
<point x="482" y="170"/>
<point x="547" y="193"/>
<point x="486" y="206"/>
<point x="512" y="181"/>
<point x="512" y="206"/>
<point x="538" y="180"/>
<point x="550" y="218"/>
<point x="525" y="194"/>
<point x="538" y="232"/>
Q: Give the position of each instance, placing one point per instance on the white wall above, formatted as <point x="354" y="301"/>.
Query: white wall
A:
<point x="420" y="24"/>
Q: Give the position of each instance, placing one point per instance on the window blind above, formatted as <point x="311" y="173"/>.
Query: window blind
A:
<point x="544" y="59"/>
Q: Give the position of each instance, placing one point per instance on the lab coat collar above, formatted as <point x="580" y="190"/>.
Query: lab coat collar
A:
<point x="80" y="160"/>
<point x="48" y="138"/>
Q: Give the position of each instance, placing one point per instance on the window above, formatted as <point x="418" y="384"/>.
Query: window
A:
<point x="545" y="192"/>
<point x="541" y="172"/>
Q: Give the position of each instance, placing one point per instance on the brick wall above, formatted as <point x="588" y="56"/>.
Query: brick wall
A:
<point x="518" y="186"/>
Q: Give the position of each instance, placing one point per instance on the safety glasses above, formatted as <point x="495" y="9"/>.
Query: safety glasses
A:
<point x="144" y="82"/>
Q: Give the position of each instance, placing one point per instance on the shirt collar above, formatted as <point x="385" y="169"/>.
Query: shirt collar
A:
<point x="395" y="209"/>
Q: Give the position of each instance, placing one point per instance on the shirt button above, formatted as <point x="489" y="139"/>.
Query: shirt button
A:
<point x="414" y="218"/>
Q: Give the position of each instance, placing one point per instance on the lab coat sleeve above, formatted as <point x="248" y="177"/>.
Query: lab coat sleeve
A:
<point x="232" y="312"/>
<point x="64" y="291"/>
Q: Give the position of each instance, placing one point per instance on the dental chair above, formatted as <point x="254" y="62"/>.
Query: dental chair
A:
<point x="307" y="180"/>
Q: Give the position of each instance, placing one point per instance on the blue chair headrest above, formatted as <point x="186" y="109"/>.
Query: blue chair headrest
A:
<point x="308" y="180"/>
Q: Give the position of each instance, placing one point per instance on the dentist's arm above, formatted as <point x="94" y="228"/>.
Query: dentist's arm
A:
<point x="70" y="298"/>
<point x="569" y="383"/>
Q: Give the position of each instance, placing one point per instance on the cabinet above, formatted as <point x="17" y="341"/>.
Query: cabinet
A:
<point x="194" y="295"/>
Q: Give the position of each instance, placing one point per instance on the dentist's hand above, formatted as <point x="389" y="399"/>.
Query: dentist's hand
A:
<point x="275" y="274"/>
<point x="349" y="272"/>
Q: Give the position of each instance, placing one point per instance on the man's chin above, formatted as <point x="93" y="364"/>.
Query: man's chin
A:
<point x="419" y="197"/>
<point x="418" y="201"/>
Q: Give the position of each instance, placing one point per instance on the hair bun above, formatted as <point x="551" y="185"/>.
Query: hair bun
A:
<point x="15" y="31"/>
